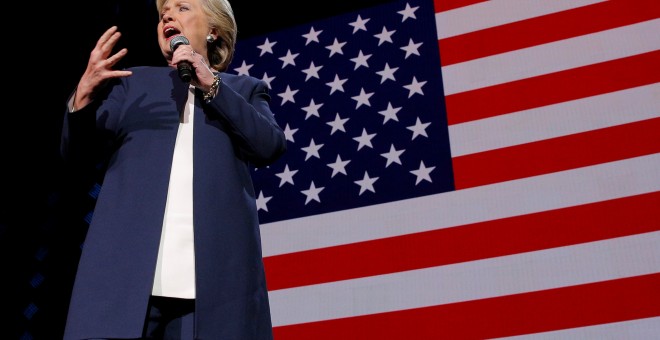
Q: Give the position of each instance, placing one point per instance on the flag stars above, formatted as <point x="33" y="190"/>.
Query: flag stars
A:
<point x="312" y="193"/>
<point x="286" y="176"/>
<point x="312" y="109"/>
<point x="408" y="12"/>
<point x="359" y="24"/>
<point x="361" y="60"/>
<point x="312" y="71"/>
<point x="262" y="200"/>
<point x="266" y="47"/>
<point x="384" y="36"/>
<point x="267" y="79"/>
<point x="339" y="166"/>
<point x="312" y="150"/>
<point x="244" y="69"/>
<point x="366" y="183"/>
<point x="312" y="36"/>
<point x="411" y="48"/>
<point x="337" y="84"/>
<point x="337" y="124"/>
<point x="392" y="156"/>
<point x="289" y="132"/>
<point x="423" y="173"/>
<point x="289" y="59"/>
<point x="362" y="98"/>
<point x="364" y="139"/>
<point x="336" y="47"/>
<point x="390" y="113"/>
<point x="419" y="129"/>
<point x="387" y="73"/>
<point x="287" y="96"/>
<point x="415" y="87"/>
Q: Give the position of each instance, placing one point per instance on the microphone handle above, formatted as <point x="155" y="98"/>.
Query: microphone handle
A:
<point x="185" y="71"/>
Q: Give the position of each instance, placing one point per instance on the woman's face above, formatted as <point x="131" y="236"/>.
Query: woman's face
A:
<point x="183" y="17"/>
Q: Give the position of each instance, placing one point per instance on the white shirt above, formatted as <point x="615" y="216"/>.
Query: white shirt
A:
<point x="175" y="268"/>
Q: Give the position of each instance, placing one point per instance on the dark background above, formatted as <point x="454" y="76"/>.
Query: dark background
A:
<point x="45" y="207"/>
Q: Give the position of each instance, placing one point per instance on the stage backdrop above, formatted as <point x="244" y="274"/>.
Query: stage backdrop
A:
<point x="464" y="169"/>
<point x="456" y="169"/>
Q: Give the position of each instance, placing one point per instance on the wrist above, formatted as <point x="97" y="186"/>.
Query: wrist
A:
<point x="213" y="90"/>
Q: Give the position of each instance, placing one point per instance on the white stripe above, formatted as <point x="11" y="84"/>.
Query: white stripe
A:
<point x="557" y="56"/>
<point x="648" y="328"/>
<point x="499" y="12"/>
<point x="484" y="203"/>
<point x="586" y="114"/>
<point x="514" y="274"/>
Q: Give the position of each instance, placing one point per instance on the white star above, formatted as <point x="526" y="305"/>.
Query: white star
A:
<point x="266" y="47"/>
<point x="338" y="166"/>
<point x="262" y="200"/>
<point x="288" y="59"/>
<point x="423" y="173"/>
<point x="286" y="176"/>
<point x="337" y="124"/>
<point x="361" y="60"/>
<point x="337" y="84"/>
<point x="267" y="79"/>
<point x="392" y="156"/>
<point x="312" y="71"/>
<point x="287" y="96"/>
<point x="362" y="98"/>
<point x="289" y="132"/>
<point x="412" y="48"/>
<point x="409" y="12"/>
<point x="364" y="139"/>
<point x="312" y="150"/>
<point x="415" y="87"/>
<point x="312" y="109"/>
<point x="312" y="36"/>
<point x="366" y="183"/>
<point x="359" y="24"/>
<point x="312" y="193"/>
<point x="384" y="36"/>
<point x="418" y="129"/>
<point x="390" y="113"/>
<point x="387" y="73"/>
<point x="244" y="69"/>
<point x="335" y="48"/>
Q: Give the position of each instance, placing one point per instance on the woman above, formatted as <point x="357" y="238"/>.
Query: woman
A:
<point x="173" y="249"/>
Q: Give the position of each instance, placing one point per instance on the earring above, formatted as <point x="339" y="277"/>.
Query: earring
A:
<point x="210" y="39"/>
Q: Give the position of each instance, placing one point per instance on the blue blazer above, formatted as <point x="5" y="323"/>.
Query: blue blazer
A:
<point x="135" y="126"/>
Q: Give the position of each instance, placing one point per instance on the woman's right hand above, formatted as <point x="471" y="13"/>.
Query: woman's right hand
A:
<point x="100" y="68"/>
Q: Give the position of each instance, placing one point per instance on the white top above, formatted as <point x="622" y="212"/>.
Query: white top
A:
<point x="175" y="268"/>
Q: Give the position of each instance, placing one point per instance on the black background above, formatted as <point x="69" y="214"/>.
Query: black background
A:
<point x="42" y="221"/>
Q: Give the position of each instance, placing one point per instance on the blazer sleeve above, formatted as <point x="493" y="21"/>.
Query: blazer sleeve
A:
<point x="88" y="132"/>
<point x="243" y="106"/>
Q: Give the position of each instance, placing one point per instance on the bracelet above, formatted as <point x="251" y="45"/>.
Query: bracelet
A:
<point x="213" y="90"/>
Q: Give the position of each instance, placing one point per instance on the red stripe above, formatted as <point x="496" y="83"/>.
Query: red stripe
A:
<point x="554" y="88"/>
<point x="576" y="306"/>
<point x="557" y="154"/>
<point x="531" y="32"/>
<point x="585" y="223"/>
<point x="446" y="5"/>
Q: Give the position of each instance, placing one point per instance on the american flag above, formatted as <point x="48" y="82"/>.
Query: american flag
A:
<point x="464" y="169"/>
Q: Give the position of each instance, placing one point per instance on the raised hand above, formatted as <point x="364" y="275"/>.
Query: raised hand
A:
<point x="100" y="68"/>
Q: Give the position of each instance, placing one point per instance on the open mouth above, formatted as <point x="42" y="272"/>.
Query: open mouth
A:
<point x="169" y="32"/>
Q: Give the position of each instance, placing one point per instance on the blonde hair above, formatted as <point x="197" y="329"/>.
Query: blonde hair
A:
<point x="221" y="17"/>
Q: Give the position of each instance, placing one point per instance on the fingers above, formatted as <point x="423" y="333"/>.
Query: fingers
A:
<point x="115" y="58"/>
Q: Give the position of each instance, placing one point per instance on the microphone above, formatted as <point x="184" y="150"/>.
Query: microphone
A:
<point x="184" y="67"/>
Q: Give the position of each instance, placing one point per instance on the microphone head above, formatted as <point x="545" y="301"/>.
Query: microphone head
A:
<point x="178" y="40"/>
